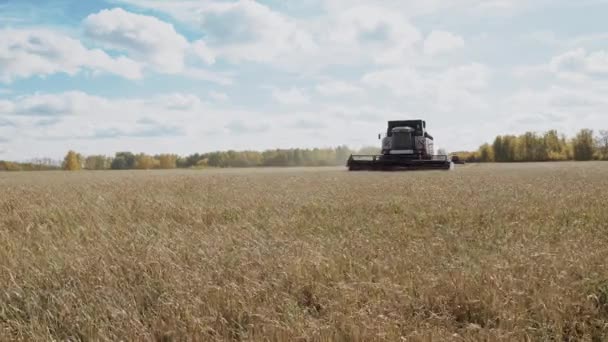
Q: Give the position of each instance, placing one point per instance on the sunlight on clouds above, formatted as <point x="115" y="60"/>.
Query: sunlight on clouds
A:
<point x="292" y="96"/>
<point x="38" y="52"/>
<point x="442" y="41"/>
<point x="220" y="74"/>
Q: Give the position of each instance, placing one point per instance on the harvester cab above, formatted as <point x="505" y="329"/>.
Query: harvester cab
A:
<point x="406" y="146"/>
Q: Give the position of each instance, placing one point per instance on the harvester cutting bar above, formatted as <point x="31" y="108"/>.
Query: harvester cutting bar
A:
<point x="396" y="162"/>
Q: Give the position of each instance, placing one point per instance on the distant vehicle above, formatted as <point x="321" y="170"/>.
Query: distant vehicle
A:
<point x="406" y="146"/>
<point x="457" y="160"/>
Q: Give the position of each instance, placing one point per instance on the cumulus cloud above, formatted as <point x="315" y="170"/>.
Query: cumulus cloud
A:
<point x="577" y="66"/>
<point x="183" y="102"/>
<point x="145" y="37"/>
<point x="154" y="43"/>
<point x="557" y="107"/>
<point x="45" y="123"/>
<point x="344" y="32"/>
<point x="308" y="124"/>
<point x="291" y="96"/>
<point x="369" y="53"/>
<point x="6" y="123"/>
<point x="146" y="130"/>
<point x="387" y="34"/>
<point x="402" y="81"/>
<point x="245" y="127"/>
<point x="439" y="42"/>
<point x="68" y="103"/>
<point x="247" y="30"/>
<point x="218" y="96"/>
<point x="39" y="52"/>
<point x="436" y="93"/>
<point x="83" y="106"/>
<point x="242" y="30"/>
<point x="200" y="74"/>
<point x="6" y="107"/>
<point x="580" y="61"/>
<point x="338" y="88"/>
<point x="204" y="52"/>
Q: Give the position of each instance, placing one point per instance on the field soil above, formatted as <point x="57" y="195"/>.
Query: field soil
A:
<point x="483" y="252"/>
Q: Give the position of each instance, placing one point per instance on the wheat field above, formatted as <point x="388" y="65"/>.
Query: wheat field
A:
<point x="484" y="252"/>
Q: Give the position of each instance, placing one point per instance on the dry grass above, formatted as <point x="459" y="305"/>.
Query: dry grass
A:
<point x="492" y="252"/>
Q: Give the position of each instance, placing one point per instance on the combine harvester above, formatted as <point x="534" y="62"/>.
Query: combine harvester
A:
<point x="406" y="146"/>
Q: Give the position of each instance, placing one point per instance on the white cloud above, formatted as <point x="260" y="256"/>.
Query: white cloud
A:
<point x="455" y="90"/>
<point x="442" y="41"/>
<point x="200" y="49"/>
<point x="344" y="32"/>
<point x="566" y="93"/>
<point x="397" y="72"/>
<point x="68" y="103"/>
<point x="144" y="37"/>
<point x="201" y="74"/>
<point x="90" y="107"/>
<point x="48" y="121"/>
<point x="48" y="124"/>
<point x="246" y="30"/>
<point x="6" y="107"/>
<point x="243" y="127"/>
<point x="39" y="52"/>
<point x="564" y="108"/>
<point x="408" y="81"/>
<point x="338" y="88"/>
<point x="218" y="96"/>
<point x="577" y="66"/>
<point x="579" y="61"/>
<point x="292" y="96"/>
<point x="241" y="30"/>
<point x="416" y="8"/>
<point x="382" y="35"/>
<point x="471" y="76"/>
<point x="154" y="43"/>
<point x="182" y="102"/>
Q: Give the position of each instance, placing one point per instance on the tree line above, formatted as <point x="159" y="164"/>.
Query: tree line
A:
<point x="536" y="147"/>
<point x="527" y="147"/>
<point x="220" y="159"/>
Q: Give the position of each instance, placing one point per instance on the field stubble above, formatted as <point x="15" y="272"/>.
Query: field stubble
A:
<point x="490" y="252"/>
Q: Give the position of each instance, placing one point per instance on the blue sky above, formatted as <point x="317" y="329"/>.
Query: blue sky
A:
<point x="189" y="76"/>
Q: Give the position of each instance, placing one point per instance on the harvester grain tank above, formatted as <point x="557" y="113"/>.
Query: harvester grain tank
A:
<point x="406" y="146"/>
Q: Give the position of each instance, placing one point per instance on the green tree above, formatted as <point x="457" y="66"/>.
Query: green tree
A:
<point x="583" y="145"/>
<point x="499" y="152"/>
<point x="486" y="154"/>
<point x="97" y="162"/>
<point x="123" y="161"/>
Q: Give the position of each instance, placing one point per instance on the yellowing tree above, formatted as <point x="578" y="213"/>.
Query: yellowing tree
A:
<point x="71" y="162"/>
<point x="144" y="162"/>
<point x="167" y="161"/>
<point x="486" y="154"/>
